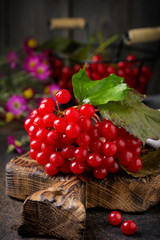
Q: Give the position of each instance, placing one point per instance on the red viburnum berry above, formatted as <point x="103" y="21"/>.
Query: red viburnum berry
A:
<point x="94" y="160"/>
<point x="87" y="110"/>
<point x="108" y="130"/>
<point x="50" y="169"/>
<point x="57" y="159"/>
<point x="129" y="227"/>
<point x="73" y="130"/>
<point x="77" y="167"/>
<point x="63" y="96"/>
<point x="100" y="172"/>
<point x="115" y="218"/>
<point x="72" y="115"/>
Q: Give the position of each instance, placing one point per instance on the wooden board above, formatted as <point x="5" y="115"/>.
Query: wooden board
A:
<point x="56" y="204"/>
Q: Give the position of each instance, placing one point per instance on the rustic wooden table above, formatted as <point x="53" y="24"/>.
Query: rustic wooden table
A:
<point x="97" y="226"/>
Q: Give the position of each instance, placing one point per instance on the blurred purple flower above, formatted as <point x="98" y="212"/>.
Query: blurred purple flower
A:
<point x="31" y="62"/>
<point x="41" y="72"/>
<point x="30" y="44"/>
<point x="12" y="58"/>
<point x="16" y="104"/>
<point x="53" y="89"/>
<point x="16" y="144"/>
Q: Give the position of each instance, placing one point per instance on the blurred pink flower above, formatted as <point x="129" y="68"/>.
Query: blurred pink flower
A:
<point x="16" y="104"/>
<point x="41" y="72"/>
<point x="16" y="145"/>
<point x="53" y="89"/>
<point x="31" y="62"/>
<point x="30" y="44"/>
<point x="12" y="58"/>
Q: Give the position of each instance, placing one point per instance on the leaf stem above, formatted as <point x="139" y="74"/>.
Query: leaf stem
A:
<point x="105" y="45"/>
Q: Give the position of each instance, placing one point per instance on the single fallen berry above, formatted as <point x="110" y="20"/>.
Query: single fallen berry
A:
<point x="129" y="227"/>
<point x="115" y="218"/>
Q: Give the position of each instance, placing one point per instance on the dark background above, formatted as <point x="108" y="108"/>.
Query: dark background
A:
<point x="23" y="18"/>
<point x="20" y="19"/>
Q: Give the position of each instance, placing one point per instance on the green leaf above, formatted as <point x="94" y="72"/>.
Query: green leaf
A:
<point x="98" y="92"/>
<point x="151" y="162"/>
<point x="131" y="114"/>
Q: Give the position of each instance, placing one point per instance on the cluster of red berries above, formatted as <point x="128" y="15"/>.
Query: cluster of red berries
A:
<point x="68" y="142"/>
<point x="135" y="76"/>
<point x="128" y="227"/>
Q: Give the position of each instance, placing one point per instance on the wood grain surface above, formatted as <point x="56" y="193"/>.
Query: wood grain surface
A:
<point x="25" y="176"/>
<point x="123" y="192"/>
<point x="56" y="211"/>
<point x="96" y="227"/>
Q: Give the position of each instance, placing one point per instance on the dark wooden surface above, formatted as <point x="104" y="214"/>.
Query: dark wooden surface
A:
<point x="97" y="226"/>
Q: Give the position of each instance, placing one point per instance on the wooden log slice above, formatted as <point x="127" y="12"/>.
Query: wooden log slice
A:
<point x="55" y="206"/>
<point x="24" y="176"/>
<point x="121" y="191"/>
<point x="57" y="211"/>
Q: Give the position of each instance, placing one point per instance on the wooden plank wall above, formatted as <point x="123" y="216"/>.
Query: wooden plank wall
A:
<point x="20" y="19"/>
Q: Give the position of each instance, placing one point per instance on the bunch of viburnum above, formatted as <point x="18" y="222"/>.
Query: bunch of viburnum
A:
<point x="76" y="140"/>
